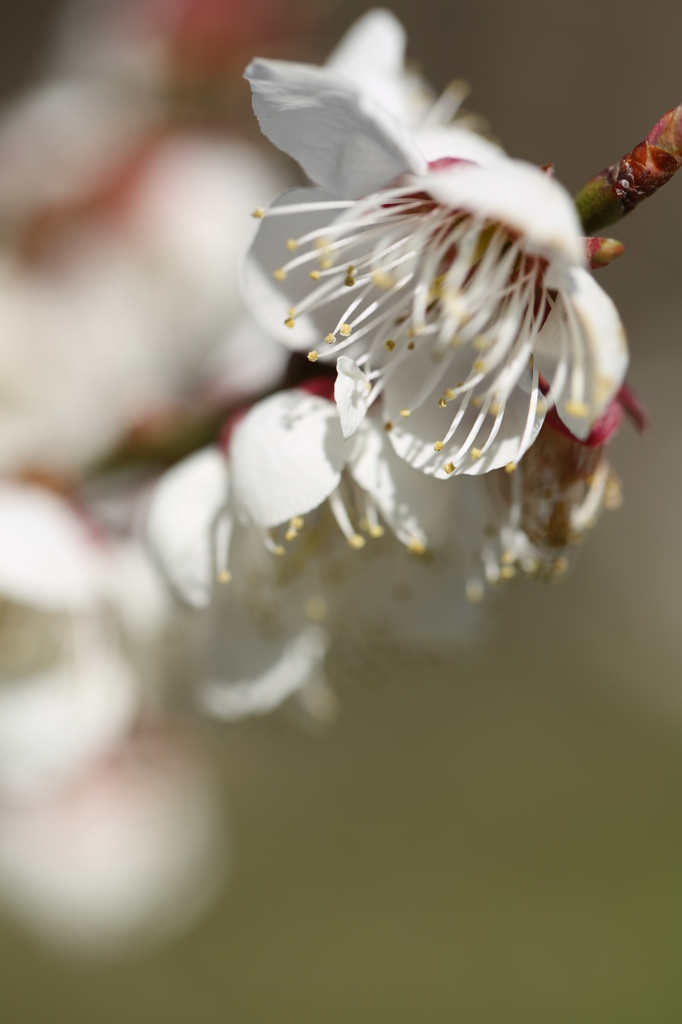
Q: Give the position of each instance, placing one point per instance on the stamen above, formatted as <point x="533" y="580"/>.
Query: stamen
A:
<point x="222" y="539"/>
<point x="340" y="513"/>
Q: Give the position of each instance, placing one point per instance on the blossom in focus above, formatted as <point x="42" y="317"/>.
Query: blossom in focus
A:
<point x="451" y="281"/>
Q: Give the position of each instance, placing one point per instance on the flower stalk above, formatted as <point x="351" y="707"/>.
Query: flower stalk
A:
<point x="617" y="190"/>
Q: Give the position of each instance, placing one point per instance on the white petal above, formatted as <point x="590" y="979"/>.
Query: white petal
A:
<point x="376" y="39"/>
<point x="286" y="457"/>
<point x="342" y="139"/>
<point x="414" y="437"/>
<point x="351" y="392"/>
<point x="519" y="195"/>
<point x="604" y="353"/>
<point x="440" y="141"/>
<point x="371" y="56"/>
<point x="416" y="509"/>
<point x="181" y="516"/>
<point x="270" y="300"/>
<point x="266" y="672"/>
<point x="47" y="559"/>
<point x="248" y="362"/>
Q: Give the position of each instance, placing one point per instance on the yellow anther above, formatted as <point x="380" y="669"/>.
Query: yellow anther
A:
<point x="357" y="541"/>
<point x="450" y="394"/>
<point x="291" y="534"/>
<point x="507" y="572"/>
<point x="442" y="402"/>
<point x="316" y="608"/>
<point x="312" y="356"/>
<point x="326" y="263"/>
<point x="297" y="523"/>
<point x="412" y="333"/>
<point x="322" y="243"/>
<point x="476" y="454"/>
<point x="389" y="345"/>
<point x="494" y="408"/>
<point x="279" y="550"/>
<point x="290" y="322"/>
<point x="315" y="274"/>
<point x="613" y="494"/>
<point x="508" y="558"/>
<point x="438" y="446"/>
<point x="388" y="426"/>
<point x="345" y="330"/>
<point x="480" y="342"/>
<point x="579" y="409"/>
<point x="280" y="274"/>
<point x="376" y="531"/>
<point x="383" y="280"/>
<point x="258" y="212"/>
<point x="292" y="244"/>
<point x="449" y="467"/>
<point x="330" y="339"/>
<point x="456" y="341"/>
<point x="477" y="401"/>
<point x="410" y="345"/>
<point x="350" y="281"/>
<point x="416" y="546"/>
<point x="225" y="576"/>
<point x="511" y="467"/>
<point x="480" y="366"/>
<point x="405" y="413"/>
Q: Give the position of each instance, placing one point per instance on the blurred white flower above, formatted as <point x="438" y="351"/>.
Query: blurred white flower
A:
<point x="74" y="611"/>
<point x="120" y="281"/>
<point x="123" y="858"/>
<point x="452" y="283"/>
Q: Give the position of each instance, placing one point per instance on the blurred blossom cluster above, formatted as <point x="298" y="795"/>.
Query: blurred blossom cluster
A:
<point x="230" y="445"/>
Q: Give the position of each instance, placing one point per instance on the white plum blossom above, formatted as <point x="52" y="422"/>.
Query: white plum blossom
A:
<point x="273" y="536"/>
<point x="69" y="682"/>
<point x="123" y="857"/>
<point x="452" y="282"/>
<point x="262" y="640"/>
<point x="118" y="276"/>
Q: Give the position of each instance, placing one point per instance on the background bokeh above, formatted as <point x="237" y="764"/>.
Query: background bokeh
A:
<point x="493" y="837"/>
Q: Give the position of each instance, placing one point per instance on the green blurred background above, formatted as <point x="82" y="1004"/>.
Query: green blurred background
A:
<point x="494" y="835"/>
